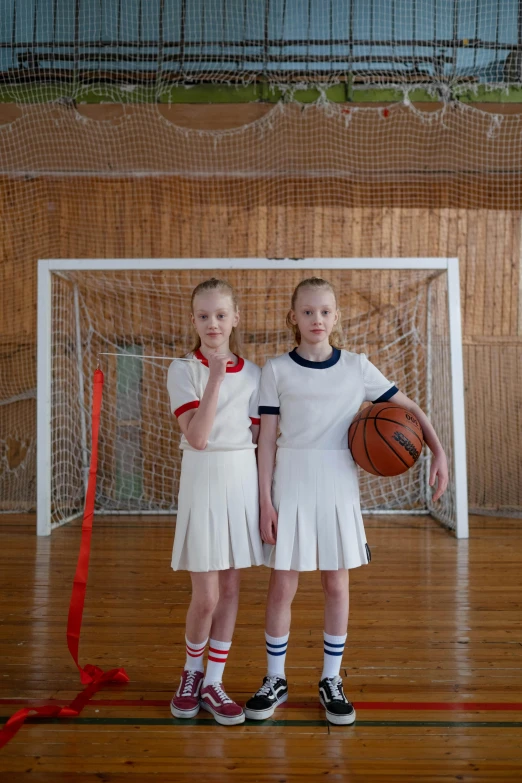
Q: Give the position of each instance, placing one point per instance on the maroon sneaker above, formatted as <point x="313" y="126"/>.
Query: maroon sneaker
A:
<point x="225" y="711"/>
<point x="185" y="702"/>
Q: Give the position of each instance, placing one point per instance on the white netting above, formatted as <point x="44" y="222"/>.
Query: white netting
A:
<point x="146" y="177"/>
<point x="140" y="313"/>
<point x="156" y="43"/>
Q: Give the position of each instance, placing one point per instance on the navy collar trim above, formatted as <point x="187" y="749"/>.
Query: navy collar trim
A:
<point x="334" y="358"/>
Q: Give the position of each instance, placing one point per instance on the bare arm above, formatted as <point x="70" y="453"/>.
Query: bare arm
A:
<point x="439" y="464"/>
<point x="266" y="452"/>
<point x="254" y="429"/>
<point x="197" y="424"/>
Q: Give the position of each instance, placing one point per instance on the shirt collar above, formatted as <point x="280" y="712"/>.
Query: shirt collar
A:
<point x="334" y="358"/>
<point x="236" y="368"/>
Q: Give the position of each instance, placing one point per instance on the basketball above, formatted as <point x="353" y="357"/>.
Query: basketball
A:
<point x="385" y="439"/>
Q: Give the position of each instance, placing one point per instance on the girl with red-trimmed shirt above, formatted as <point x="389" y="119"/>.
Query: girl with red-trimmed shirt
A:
<point x="214" y="395"/>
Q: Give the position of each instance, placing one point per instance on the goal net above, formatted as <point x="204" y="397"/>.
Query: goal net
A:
<point x="131" y="321"/>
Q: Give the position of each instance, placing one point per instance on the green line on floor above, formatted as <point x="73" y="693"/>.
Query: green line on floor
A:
<point x="92" y="721"/>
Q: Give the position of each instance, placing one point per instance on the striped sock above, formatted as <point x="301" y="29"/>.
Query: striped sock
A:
<point x="194" y="659"/>
<point x="333" y="654"/>
<point x="276" y="647"/>
<point x="216" y="660"/>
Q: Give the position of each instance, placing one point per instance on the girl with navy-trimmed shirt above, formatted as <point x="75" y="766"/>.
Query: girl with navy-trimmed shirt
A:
<point x="310" y="516"/>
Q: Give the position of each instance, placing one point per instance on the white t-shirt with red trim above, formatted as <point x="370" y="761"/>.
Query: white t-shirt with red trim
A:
<point x="316" y="401"/>
<point x="237" y="406"/>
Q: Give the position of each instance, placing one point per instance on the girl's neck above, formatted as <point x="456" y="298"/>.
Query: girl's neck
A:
<point x="314" y="352"/>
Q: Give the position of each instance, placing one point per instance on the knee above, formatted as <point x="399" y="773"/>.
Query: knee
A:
<point x="282" y="589"/>
<point x="335" y="585"/>
<point x="229" y="586"/>
<point x="205" y="602"/>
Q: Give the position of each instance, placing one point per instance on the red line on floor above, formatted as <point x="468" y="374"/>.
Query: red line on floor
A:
<point x="421" y="706"/>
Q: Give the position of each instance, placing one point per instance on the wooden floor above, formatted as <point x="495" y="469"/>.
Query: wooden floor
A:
<point x="433" y="662"/>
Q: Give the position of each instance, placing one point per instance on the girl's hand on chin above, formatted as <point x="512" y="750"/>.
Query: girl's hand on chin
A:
<point x="217" y="365"/>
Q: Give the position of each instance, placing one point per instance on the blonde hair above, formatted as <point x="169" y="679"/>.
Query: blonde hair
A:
<point x="217" y="285"/>
<point x="336" y="336"/>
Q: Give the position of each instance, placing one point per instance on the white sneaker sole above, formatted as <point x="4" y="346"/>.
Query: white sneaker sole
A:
<point x="184" y="713"/>
<point x="223" y="721"/>
<point x="264" y="714"/>
<point x="338" y="720"/>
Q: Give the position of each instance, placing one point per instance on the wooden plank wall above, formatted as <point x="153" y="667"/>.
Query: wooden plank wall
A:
<point x="92" y="217"/>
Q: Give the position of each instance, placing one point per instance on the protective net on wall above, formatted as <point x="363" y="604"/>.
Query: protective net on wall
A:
<point x="144" y="177"/>
<point x="398" y="318"/>
<point x="161" y="42"/>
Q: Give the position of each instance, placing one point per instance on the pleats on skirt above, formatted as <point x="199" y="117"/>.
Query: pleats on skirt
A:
<point x="320" y="525"/>
<point x="217" y="525"/>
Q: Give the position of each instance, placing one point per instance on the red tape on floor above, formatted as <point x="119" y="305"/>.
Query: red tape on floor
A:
<point x="419" y="706"/>
<point x="90" y="675"/>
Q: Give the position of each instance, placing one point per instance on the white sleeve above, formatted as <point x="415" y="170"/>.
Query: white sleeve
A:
<point x="268" y="395"/>
<point x="253" y="405"/>
<point x="377" y="388"/>
<point x="181" y="389"/>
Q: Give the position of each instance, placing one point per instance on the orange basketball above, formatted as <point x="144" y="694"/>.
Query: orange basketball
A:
<point x="385" y="439"/>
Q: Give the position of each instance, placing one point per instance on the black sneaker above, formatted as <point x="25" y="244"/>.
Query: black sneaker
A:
<point x="272" y="693"/>
<point x="338" y="709"/>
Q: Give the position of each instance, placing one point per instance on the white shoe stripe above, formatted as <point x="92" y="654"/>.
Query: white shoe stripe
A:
<point x="211" y="699"/>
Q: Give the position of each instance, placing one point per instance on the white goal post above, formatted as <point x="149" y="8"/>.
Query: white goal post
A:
<point x="403" y="312"/>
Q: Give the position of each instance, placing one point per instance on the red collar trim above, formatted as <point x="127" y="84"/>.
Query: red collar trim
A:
<point x="236" y="368"/>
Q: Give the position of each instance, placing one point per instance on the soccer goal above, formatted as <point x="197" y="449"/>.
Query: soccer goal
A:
<point x="131" y="317"/>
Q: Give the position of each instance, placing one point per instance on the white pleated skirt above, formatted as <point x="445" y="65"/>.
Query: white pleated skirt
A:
<point x="320" y="525"/>
<point x="217" y="525"/>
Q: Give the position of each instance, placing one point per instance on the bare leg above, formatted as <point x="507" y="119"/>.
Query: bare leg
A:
<point x="225" y="613"/>
<point x="281" y="592"/>
<point x="205" y="597"/>
<point x="336" y="601"/>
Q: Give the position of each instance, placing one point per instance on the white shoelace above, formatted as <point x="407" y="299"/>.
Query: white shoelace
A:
<point x="221" y="693"/>
<point x="267" y="687"/>
<point x="189" y="683"/>
<point x="336" y="688"/>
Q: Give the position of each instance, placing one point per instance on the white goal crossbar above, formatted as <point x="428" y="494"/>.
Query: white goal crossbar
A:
<point x="62" y="267"/>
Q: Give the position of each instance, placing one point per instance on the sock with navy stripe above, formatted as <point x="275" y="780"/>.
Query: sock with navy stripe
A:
<point x="216" y="660"/>
<point x="276" y="647"/>
<point x="333" y="654"/>
<point x="194" y="659"/>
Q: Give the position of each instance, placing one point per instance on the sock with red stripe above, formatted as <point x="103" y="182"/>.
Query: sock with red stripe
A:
<point x="216" y="660"/>
<point x="194" y="659"/>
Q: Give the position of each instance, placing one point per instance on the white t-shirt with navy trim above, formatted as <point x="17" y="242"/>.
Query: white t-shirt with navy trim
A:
<point x="316" y="401"/>
<point x="237" y="405"/>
